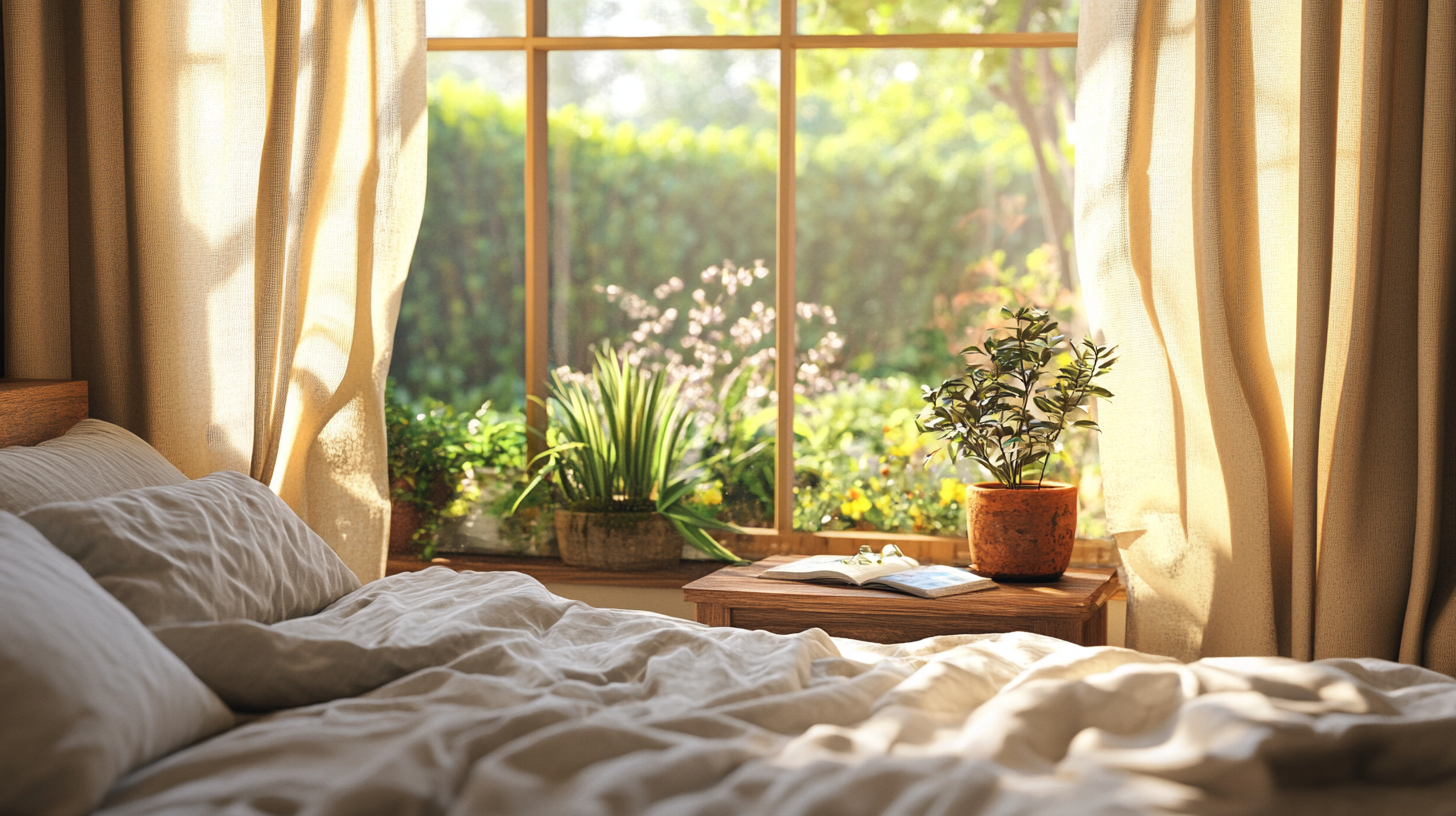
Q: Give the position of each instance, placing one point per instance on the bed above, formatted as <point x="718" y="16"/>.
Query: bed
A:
<point x="262" y="681"/>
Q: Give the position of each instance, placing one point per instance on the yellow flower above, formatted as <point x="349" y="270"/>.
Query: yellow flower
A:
<point x="883" y="504"/>
<point x="709" y="495"/>
<point x="952" y="490"/>
<point x="856" y="507"/>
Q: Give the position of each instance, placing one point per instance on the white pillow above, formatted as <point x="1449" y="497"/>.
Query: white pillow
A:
<point x="91" y="460"/>
<point x="86" y="692"/>
<point x="218" y="548"/>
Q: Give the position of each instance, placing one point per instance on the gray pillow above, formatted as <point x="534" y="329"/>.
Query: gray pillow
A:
<point x="218" y="548"/>
<point x="86" y="692"/>
<point x="91" y="460"/>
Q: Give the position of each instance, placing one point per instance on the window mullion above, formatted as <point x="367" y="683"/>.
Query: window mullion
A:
<point x="537" y="229"/>
<point x="785" y="296"/>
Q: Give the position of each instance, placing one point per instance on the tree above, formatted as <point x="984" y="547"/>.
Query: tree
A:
<point x="1035" y="84"/>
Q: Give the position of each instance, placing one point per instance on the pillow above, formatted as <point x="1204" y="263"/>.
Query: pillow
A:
<point x="91" y="460"/>
<point x="86" y="692"/>
<point x="217" y="548"/>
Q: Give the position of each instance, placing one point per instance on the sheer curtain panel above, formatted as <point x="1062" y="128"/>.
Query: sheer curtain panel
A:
<point x="1264" y="223"/>
<point x="211" y="211"/>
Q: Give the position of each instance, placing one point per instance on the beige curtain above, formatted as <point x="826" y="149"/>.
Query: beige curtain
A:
<point x="211" y="211"/>
<point x="1265" y="195"/>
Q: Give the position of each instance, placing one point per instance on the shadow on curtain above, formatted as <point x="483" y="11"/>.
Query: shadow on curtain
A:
<point x="212" y="208"/>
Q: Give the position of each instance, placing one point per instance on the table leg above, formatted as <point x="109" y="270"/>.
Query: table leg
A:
<point x="1094" y="629"/>
<point x="714" y="614"/>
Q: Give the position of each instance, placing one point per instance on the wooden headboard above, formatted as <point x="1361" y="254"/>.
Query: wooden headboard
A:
<point x="32" y="411"/>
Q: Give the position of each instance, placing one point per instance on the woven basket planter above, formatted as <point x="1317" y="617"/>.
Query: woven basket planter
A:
<point x="617" y="541"/>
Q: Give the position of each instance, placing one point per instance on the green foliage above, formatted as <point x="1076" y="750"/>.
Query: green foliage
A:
<point x="623" y="435"/>
<point x="924" y="16"/>
<point x="461" y="321"/>
<point x="434" y="451"/>
<point x="863" y="463"/>
<point x="999" y="415"/>
<point x="881" y="234"/>
<point x="903" y="499"/>
<point x="738" y="454"/>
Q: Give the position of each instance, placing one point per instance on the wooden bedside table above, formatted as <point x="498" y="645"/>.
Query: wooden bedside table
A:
<point x="1074" y="608"/>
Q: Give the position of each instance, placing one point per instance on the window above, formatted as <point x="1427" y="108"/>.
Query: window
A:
<point x="714" y="185"/>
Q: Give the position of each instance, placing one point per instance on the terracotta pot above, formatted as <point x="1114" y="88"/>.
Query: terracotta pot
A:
<point x="405" y="518"/>
<point x="1021" y="534"/>
<point x="617" y="541"/>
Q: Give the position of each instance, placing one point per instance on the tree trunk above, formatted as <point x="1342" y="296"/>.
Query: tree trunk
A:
<point x="1056" y="216"/>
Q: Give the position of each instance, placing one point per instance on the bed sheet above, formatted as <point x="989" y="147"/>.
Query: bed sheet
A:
<point x="564" y="708"/>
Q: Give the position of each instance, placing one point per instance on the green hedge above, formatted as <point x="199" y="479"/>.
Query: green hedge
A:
<point x="878" y="239"/>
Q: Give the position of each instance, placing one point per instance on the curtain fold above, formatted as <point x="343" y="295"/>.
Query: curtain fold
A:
<point x="210" y="216"/>
<point x="1264" y="220"/>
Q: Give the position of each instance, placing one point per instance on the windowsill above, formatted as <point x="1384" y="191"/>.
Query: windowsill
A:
<point x="755" y="545"/>
<point x="552" y="571"/>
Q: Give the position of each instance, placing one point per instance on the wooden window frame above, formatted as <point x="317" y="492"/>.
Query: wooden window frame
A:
<point x="782" y="538"/>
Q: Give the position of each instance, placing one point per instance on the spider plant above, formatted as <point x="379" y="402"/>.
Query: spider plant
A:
<point x="621" y="447"/>
<point x="999" y="414"/>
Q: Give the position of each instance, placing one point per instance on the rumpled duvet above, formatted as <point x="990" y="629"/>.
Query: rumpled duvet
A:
<point x="487" y="694"/>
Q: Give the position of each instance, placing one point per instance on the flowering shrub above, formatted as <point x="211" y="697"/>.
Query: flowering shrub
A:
<point x="717" y="340"/>
<point x="718" y="331"/>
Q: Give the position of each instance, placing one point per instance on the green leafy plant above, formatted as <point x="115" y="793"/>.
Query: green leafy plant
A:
<point x="738" y="454"/>
<point x="434" y="452"/>
<point x="999" y="414"/>
<point x="622" y="438"/>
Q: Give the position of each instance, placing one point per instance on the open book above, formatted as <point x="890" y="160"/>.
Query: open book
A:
<point x="900" y="573"/>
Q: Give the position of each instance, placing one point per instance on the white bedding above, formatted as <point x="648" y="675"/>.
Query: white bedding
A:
<point x="532" y="704"/>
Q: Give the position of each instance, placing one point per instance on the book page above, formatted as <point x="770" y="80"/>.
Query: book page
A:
<point x="935" y="581"/>
<point x="832" y="567"/>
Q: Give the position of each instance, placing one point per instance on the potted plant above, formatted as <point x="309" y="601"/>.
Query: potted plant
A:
<point x="1001" y="415"/>
<point x="434" y="455"/>
<point x="618" y="466"/>
<point x="477" y="522"/>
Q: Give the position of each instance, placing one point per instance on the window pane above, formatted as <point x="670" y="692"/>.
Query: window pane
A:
<point x="662" y="240"/>
<point x="461" y="320"/>
<point x="653" y="18"/>
<point x="475" y="18"/>
<point x="922" y="209"/>
<point x="935" y="16"/>
<point x="460" y="337"/>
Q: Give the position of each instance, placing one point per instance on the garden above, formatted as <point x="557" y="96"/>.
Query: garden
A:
<point x="924" y="204"/>
<point x="862" y="460"/>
